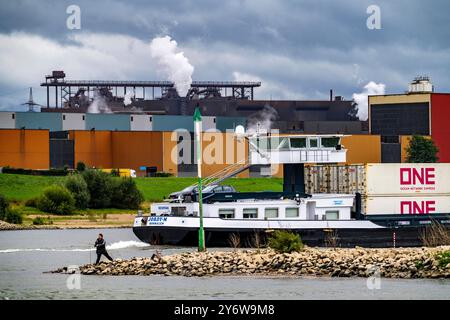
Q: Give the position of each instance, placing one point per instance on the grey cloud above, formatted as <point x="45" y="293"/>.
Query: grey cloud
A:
<point x="306" y="47"/>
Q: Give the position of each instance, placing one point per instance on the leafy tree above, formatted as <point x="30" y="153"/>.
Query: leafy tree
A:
<point x="99" y="184"/>
<point x="421" y="150"/>
<point x="125" y="194"/>
<point x="56" y="199"/>
<point x="79" y="189"/>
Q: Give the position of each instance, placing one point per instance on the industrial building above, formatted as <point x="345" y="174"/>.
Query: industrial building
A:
<point x="229" y="102"/>
<point x="146" y="135"/>
<point x="148" y="152"/>
<point x="420" y="111"/>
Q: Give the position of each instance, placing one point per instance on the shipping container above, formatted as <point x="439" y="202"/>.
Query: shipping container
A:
<point x="384" y="179"/>
<point x="335" y="179"/>
<point x="408" y="178"/>
<point x="416" y="205"/>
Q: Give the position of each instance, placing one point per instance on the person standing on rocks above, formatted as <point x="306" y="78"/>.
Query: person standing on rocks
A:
<point x="100" y="244"/>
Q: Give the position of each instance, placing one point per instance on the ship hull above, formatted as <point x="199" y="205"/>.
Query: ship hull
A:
<point x="221" y="237"/>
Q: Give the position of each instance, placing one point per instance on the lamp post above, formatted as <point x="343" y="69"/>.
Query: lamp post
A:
<point x="198" y="132"/>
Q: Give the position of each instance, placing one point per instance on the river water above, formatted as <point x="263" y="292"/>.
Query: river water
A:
<point x="26" y="255"/>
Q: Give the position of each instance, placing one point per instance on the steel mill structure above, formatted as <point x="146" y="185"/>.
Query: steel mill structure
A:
<point x="145" y="122"/>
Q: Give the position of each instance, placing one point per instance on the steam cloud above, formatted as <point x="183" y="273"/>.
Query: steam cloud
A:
<point x="261" y="121"/>
<point x="172" y="63"/>
<point x="127" y="99"/>
<point x="99" y="104"/>
<point x="370" y="89"/>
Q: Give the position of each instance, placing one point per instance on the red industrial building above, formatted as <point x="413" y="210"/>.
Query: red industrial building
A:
<point x="420" y="111"/>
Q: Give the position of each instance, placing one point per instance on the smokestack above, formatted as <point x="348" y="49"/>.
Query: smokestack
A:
<point x="331" y="94"/>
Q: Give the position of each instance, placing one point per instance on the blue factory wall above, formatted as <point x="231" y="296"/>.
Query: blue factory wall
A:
<point x="54" y="121"/>
<point x="39" y="120"/>
<point x="112" y="122"/>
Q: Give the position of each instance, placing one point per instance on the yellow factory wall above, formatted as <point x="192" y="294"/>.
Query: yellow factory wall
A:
<point x="119" y="149"/>
<point x="93" y="148"/>
<point x="169" y="151"/>
<point x="220" y="150"/>
<point x="24" y="148"/>
<point x="135" y="149"/>
<point x="362" y="148"/>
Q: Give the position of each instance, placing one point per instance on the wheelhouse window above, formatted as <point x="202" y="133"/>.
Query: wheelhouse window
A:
<point x="291" y="212"/>
<point x="271" y="213"/>
<point x="313" y="142"/>
<point x="298" y="142"/>
<point x="332" y="215"/>
<point x="330" y="142"/>
<point x="226" y="213"/>
<point x="250" y="213"/>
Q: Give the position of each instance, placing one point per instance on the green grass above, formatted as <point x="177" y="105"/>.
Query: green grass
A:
<point x="99" y="212"/>
<point x="20" y="188"/>
<point x="17" y="187"/>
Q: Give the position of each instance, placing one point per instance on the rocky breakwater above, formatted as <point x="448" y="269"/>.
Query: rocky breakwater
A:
<point x="4" y="226"/>
<point x="358" y="262"/>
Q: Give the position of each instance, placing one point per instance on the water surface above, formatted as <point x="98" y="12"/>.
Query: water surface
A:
<point x="25" y="255"/>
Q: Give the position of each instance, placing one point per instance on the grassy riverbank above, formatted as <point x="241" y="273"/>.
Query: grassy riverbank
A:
<point x="20" y="188"/>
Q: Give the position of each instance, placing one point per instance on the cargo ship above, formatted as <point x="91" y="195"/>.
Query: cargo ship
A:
<point x="373" y="205"/>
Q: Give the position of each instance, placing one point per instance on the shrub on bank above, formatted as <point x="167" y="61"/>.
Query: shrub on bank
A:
<point x="79" y="189"/>
<point x="99" y="185"/>
<point x="33" y="202"/>
<point x="125" y="194"/>
<point x="161" y="174"/>
<point x="13" y="216"/>
<point x="443" y="258"/>
<point x="4" y="204"/>
<point x="39" y="221"/>
<point x="57" y="200"/>
<point x="81" y="166"/>
<point x="285" y="242"/>
<point x="51" y="172"/>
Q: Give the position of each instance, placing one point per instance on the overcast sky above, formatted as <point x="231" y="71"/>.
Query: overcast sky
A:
<point x="298" y="49"/>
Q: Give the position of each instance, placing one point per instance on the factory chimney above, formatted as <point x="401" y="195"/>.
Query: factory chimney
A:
<point x="331" y="94"/>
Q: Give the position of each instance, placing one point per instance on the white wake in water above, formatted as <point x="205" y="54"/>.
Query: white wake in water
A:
<point x="112" y="246"/>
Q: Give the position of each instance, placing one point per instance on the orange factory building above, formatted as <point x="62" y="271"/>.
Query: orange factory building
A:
<point x="24" y="148"/>
<point x="148" y="151"/>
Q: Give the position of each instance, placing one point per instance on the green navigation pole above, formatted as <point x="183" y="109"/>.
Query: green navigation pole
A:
<point x="198" y="132"/>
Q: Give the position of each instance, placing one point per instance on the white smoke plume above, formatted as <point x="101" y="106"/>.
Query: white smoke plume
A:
<point x="99" y="104"/>
<point x="172" y="63"/>
<point x="127" y="99"/>
<point x="370" y="89"/>
<point x="261" y="121"/>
